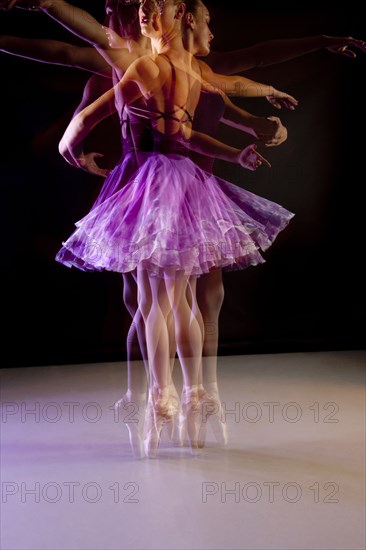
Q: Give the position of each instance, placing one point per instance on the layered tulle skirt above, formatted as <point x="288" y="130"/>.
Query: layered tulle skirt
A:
<point x="172" y="219"/>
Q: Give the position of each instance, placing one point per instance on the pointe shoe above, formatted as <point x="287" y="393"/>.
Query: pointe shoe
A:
<point x="152" y="436"/>
<point x="190" y="417"/>
<point x="134" y="419"/>
<point x="211" y="410"/>
<point x="173" y="426"/>
<point x="183" y="435"/>
<point x="162" y="409"/>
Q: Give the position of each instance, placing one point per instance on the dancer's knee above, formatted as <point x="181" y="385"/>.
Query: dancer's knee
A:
<point x="130" y="294"/>
<point x="210" y="299"/>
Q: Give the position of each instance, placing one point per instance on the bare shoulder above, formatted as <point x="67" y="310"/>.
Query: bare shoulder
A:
<point x="145" y="67"/>
<point x="205" y="69"/>
<point x="98" y="85"/>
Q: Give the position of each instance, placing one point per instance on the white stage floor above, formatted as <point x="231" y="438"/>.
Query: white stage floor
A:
<point x="291" y="477"/>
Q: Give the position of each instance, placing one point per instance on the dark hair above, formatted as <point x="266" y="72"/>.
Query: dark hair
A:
<point x="192" y="6"/>
<point x="127" y="3"/>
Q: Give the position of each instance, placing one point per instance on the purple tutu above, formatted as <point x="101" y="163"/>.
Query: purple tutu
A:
<point x="172" y="219"/>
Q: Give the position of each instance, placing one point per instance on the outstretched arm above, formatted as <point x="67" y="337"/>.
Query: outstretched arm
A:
<point x="244" y="87"/>
<point x="206" y="145"/>
<point x="55" y="52"/>
<point x="272" y="52"/>
<point x="80" y="23"/>
<point x="75" y="19"/>
<point x="267" y="129"/>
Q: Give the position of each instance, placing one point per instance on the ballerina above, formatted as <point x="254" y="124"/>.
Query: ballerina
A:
<point x="170" y="108"/>
<point x="258" y="126"/>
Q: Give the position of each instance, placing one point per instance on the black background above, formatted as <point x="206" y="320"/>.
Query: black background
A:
<point x="309" y="295"/>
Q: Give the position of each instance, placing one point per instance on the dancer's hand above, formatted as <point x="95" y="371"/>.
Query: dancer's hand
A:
<point x="81" y="160"/>
<point x="33" y="5"/>
<point x="87" y="162"/>
<point x="114" y="39"/>
<point x="279" y="136"/>
<point x="282" y="97"/>
<point x="250" y="158"/>
<point x="341" y="45"/>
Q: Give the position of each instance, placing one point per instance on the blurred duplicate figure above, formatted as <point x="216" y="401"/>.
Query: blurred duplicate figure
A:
<point x="197" y="39"/>
<point x="52" y="52"/>
<point x="172" y="221"/>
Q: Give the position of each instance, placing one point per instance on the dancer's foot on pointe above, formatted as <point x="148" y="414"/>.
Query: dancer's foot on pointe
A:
<point x="211" y="410"/>
<point x="132" y="409"/>
<point x="173" y="426"/>
<point x="190" y="416"/>
<point x="162" y="409"/>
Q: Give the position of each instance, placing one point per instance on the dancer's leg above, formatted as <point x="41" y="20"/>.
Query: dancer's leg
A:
<point x="137" y="365"/>
<point x="162" y="406"/>
<point x="173" y="428"/>
<point x="137" y="361"/>
<point x="187" y="328"/>
<point x="155" y="312"/>
<point x="189" y="344"/>
<point x="172" y="340"/>
<point x="210" y="296"/>
<point x="191" y="296"/>
<point x="133" y="403"/>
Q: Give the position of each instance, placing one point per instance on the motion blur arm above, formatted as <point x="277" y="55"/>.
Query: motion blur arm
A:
<point x="272" y="52"/>
<point x="82" y="24"/>
<point x="55" y="52"/>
